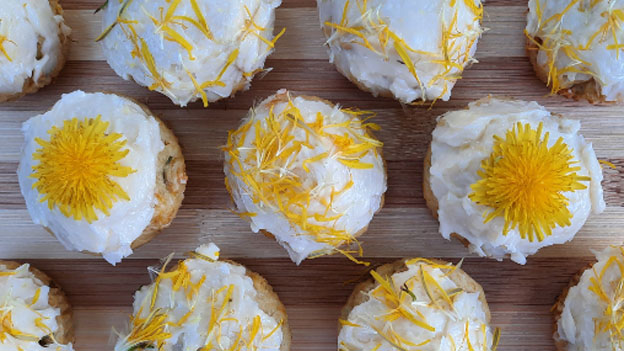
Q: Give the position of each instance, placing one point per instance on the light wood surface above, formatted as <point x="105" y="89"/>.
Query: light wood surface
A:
<point x="520" y="296"/>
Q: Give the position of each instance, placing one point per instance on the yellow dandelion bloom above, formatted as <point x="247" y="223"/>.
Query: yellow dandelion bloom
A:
<point x="76" y="165"/>
<point x="524" y="182"/>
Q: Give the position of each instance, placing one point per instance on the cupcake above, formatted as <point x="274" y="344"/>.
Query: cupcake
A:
<point x="577" y="48"/>
<point x="507" y="178"/>
<point x="34" y="312"/>
<point x="384" y="47"/>
<point x="101" y="173"/>
<point x="34" y="43"/>
<point x="206" y="304"/>
<point x="417" y="304"/>
<point x="307" y="173"/>
<point x="588" y="315"/>
<point x="192" y="49"/>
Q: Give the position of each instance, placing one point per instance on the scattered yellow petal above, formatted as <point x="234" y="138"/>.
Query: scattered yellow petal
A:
<point x="3" y="40"/>
<point x="605" y="162"/>
<point x="373" y="33"/>
<point x="273" y="170"/>
<point x="347" y="323"/>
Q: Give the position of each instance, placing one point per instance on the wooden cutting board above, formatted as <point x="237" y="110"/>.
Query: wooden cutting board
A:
<point x="520" y="296"/>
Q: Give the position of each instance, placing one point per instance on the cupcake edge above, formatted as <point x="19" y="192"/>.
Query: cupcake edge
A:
<point x="557" y="308"/>
<point x="171" y="180"/>
<point x="430" y="200"/>
<point x="56" y="299"/>
<point x="30" y="85"/>
<point x="269" y="302"/>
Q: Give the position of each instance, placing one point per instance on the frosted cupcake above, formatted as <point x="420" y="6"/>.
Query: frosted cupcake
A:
<point x="589" y="313"/>
<point x="101" y="173"/>
<point x="191" y="49"/>
<point x="307" y="173"/>
<point x="34" y="43"/>
<point x="406" y="49"/>
<point x="34" y="312"/>
<point x="205" y="304"/>
<point x="417" y="304"/>
<point x="508" y="178"/>
<point x="577" y="48"/>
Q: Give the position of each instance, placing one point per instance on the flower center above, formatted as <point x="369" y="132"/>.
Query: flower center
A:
<point x="523" y="181"/>
<point x="75" y="168"/>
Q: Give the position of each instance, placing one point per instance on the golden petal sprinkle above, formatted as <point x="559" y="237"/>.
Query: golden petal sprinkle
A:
<point x="148" y="333"/>
<point x="150" y="63"/>
<point x="274" y="172"/>
<point x="76" y="166"/>
<point x="7" y="328"/>
<point x="373" y="33"/>
<point x="118" y="20"/>
<point x="251" y="27"/>
<point x="610" y="164"/>
<point x="611" y="297"/>
<point x="555" y="40"/>
<point x="524" y="181"/>
<point x="409" y="302"/>
<point x="3" y="40"/>
<point x="496" y="338"/>
<point x="213" y="306"/>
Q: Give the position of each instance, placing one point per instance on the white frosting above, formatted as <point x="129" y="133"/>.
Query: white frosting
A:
<point x="24" y="305"/>
<point x="583" y="308"/>
<point x="211" y="280"/>
<point x="464" y="138"/>
<point x="419" y="23"/>
<point x="230" y="26"/>
<point x="357" y="204"/>
<point x="582" y="21"/>
<point x="367" y="319"/>
<point x="24" y="23"/>
<point x="110" y="235"/>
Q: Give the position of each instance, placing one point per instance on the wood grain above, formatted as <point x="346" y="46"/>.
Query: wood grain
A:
<point x="314" y="293"/>
<point x="520" y="296"/>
